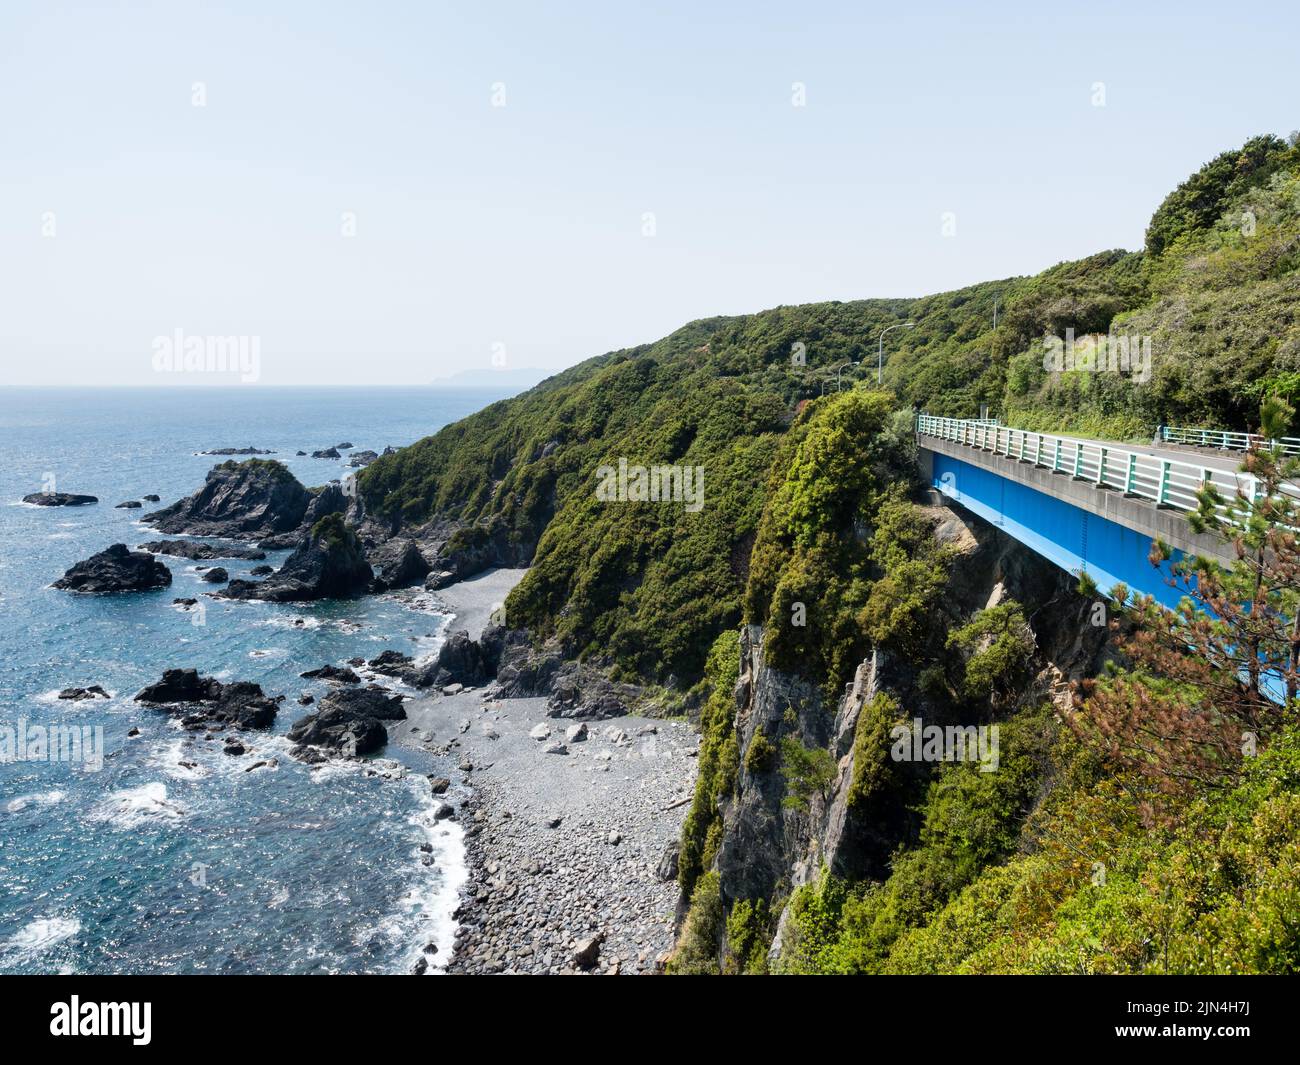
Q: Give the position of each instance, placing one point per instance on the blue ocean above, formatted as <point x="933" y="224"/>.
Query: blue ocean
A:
<point x="169" y="855"/>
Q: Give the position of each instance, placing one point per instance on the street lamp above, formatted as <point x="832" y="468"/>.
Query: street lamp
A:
<point x="880" y="353"/>
<point x="837" y="372"/>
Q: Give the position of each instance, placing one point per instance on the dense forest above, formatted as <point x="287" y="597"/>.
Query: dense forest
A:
<point x="1077" y="855"/>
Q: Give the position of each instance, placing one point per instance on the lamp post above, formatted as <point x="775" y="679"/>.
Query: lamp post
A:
<point x="880" y="352"/>
<point x="837" y="372"/>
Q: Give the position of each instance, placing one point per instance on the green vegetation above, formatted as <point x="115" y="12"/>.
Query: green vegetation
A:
<point x="648" y="587"/>
<point x="333" y="532"/>
<point x="1069" y="858"/>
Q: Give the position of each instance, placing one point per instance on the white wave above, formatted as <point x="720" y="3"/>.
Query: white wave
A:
<point x="38" y="936"/>
<point x="42" y="798"/>
<point x="137" y="807"/>
<point x="424" y="914"/>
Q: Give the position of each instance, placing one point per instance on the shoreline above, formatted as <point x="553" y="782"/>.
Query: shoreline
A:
<point x="559" y="847"/>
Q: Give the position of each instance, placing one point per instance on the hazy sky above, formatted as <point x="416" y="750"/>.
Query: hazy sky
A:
<point x="127" y="212"/>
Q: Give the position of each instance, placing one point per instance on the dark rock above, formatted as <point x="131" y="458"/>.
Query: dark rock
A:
<point x="300" y="452"/>
<point x="443" y="812"/>
<point x="328" y="499"/>
<point x="261" y="571"/>
<point x="94" y="691"/>
<point x="206" y="701"/>
<point x="59" y="499"/>
<point x="587" y="953"/>
<point x="116" y="569"/>
<point x="439" y="785"/>
<point x="151" y="498"/>
<point x="329" y="564"/>
<point x="666" y="870"/>
<point x="363" y="458"/>
<point x="327" y="453"/>
<point x="349" y="721"/>
<point x="242" y="500"/>
<point x="420" y="967"/>
<point x="130" y="504"/>
<point x="332" y="672"/>
<point x="233" y="746"/>
<point x="237" y="451"/>
<point x="196" y="550"/>
<point x="216" y="575"/>
<point x="345" y="446"/>
<point x="185" y="602"/>
<point x="132" y="732"/>
<point x="401" y="564"/>
<point x="306" y="699"/>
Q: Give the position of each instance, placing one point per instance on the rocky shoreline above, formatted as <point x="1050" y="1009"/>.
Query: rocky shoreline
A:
<point x="571" y="828"/>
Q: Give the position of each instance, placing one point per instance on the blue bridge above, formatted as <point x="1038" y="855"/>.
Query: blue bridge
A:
<point x="1089" y="506"/>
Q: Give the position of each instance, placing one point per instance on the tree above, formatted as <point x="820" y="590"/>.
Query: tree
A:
<point x="1213" y="680"/>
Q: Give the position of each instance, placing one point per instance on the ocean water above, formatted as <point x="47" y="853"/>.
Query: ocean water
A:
<point x="171" y="856"/>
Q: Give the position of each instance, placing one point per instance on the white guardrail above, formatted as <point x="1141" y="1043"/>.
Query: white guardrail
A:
<point x="1225" y="441"/>
<point x="1165" y="482"/>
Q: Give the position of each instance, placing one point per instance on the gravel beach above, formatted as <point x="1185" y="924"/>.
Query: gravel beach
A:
<point x="570" y="826"/>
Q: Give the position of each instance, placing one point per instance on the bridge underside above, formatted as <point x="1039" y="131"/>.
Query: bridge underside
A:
<point x="1076" y="539"/>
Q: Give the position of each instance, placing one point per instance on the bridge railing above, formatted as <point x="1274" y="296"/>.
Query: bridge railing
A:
<point x="1164" y="482"/>
<point x="1223" y="440"/>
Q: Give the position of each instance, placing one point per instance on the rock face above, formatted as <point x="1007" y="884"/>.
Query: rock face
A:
<point x="242" y="500"/>
<point x="471" y="549"/>
<point x="196" y="550"/>
<point x="116" y="569"/>
<point x="764" y="843"/>
<point x="59" y="499"/>
<point x="350" y="722"/>
<point x="327" y="565"/>
<point x="402" y="564"/>
<point x="205" y="702"/>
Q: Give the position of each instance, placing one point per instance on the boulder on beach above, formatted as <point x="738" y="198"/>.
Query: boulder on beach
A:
<point x="242" y="500"/>
<point x="59" y="499"/>
<point x="327" y="565"/>
<point x="116" y="569"/>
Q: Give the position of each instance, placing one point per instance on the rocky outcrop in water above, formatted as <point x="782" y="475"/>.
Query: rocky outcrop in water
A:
<point x="59" y="499"/>
<point x="237" y="451"/>
<point x="350" y="722"/>
<point x="116" y="569"/>
<point x="241" y="500"/>
<point x="196" y="550"/>
<point x="329" y="564"/>
<point x="206" y="702"/>
<point x="326" y="453"/>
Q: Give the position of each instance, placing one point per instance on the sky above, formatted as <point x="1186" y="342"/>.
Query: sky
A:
<point x="390" y="193"/>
